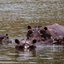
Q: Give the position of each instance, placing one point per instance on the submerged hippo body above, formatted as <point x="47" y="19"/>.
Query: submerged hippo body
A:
<point x="56" y="30"/>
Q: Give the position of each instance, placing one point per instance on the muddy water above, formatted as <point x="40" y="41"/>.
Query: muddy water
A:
<point x="24" y="10"/>
<point x="43" y="54"/>
<point x="43" y="10"/>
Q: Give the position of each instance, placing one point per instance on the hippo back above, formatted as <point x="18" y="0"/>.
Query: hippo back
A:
<point x="56" y="30"/>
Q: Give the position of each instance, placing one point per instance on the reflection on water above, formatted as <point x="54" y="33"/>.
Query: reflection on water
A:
<point x="43" y="54"/>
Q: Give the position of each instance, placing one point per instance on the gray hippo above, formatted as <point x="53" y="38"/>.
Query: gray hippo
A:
<point x="25" y="44"/>
<point x="56" y="30"/>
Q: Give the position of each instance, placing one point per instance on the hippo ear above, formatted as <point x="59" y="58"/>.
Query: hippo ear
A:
<point x="29" y="27"/>
<point x="45" y="28"/>
<point x="17" y="41"/>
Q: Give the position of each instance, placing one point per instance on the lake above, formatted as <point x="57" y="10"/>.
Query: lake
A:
<point x="43" y="54"/>
<point x="16" y="15"/>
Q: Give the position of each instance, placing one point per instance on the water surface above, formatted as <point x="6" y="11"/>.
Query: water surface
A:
<point x="43" y="54"/>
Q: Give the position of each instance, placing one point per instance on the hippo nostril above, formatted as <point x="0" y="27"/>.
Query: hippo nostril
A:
<point x="34" y="41"/>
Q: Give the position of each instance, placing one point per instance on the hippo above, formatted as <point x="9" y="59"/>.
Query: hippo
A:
<point x="5" y="39"/>
<point x="21" y="45"/>
<point x="56" y="30"/>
